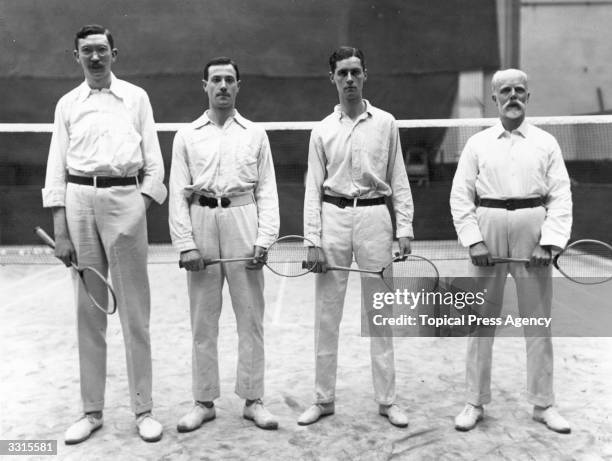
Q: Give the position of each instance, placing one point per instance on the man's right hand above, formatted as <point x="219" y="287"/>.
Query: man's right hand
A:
<point x="64" y="250"/>
<point x="192" y="260"/>
<point x="480" y="256"/>
<point x="316" y="254"/>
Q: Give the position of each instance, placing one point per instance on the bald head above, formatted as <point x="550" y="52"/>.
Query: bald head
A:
<point x="507" y="74"/>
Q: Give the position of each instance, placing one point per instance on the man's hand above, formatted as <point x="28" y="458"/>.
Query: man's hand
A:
<point x="316" y="254"/>
<point x="192" y="260"/>
<point x="259" y="258"/>
<point x="480" y="256"/>
<point x="147" y="201"/>
<point x="404" y="246"/>
<point x="64" y="250"/>
<point x="540" y="257"/>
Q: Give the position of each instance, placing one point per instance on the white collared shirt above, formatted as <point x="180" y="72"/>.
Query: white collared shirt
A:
<point x="222" y="161"/>
<point x="107" y="132"/>
<point x="498" y="164"/>
<point x="361" y="158"/>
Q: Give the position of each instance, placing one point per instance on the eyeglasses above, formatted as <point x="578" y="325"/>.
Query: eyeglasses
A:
<point x="89" y="52"/>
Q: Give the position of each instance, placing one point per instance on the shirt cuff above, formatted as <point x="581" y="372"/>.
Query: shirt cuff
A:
<point x="470" y="235"/>
<point x="264" y="241"/>
<point x="315" y="239"/>
<point x="184" y="245"/>
<point x="54" y="197"/>
<point x="154" y="189"/>
<point x="405" y="231"/>
<point x="551" y="238"/>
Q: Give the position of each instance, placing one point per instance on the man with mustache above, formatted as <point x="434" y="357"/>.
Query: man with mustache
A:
<point x="224" y="204"/>
<point x="354" y="163"/>
<point x="103" y="137"/>
<point x="511" y="198"/>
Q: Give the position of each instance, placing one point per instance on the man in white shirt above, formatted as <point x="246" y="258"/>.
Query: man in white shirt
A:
<point x="224" y="204"/>
<point x="511" y="198"/>
<point x="354" y="162"/>
<point x="103" y="137"/>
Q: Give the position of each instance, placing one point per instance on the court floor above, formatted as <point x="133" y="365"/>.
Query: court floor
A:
<point x="39" y="390"/>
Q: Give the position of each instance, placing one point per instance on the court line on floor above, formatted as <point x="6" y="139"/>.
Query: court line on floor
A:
<point x="34" y="293"/>
<point x="29" y="278"/>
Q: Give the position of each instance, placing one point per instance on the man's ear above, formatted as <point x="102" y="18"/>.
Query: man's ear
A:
<point x="75" y="53"/>
<point x="331" y="78"/>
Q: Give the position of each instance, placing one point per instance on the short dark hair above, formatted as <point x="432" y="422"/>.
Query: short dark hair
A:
<point x="93" y="29"/>
<point x="345" y="52"/>
<point x="221" y="61"/>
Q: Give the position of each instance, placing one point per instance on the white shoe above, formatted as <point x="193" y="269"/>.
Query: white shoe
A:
<point x="395" y="415"/>
<point x="469" y="417"/>
<point x="82" y="429"/>
<point x="149" y="429"/>
<point x="197" y="416"/>
<point x="553" y="420"/>
<point x="257" y="413"/>
<point x="315" y="412"/>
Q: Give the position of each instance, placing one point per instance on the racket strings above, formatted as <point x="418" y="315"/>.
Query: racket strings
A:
<point x="412" y="274"/>
<point x="99" y="290"/>
<point x="589" y="261"/>
<point x="289" y="258"/>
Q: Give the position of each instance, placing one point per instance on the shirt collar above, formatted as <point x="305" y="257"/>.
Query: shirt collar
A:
<point x="204" y="120"/>
<point x="521" y="130"/>
<point x="368" y="110"/>
<point x="115" y="87"/>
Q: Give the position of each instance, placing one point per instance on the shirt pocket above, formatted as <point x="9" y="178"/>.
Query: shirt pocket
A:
<point x="246" y="163"/>
<point x="375" y="154"/>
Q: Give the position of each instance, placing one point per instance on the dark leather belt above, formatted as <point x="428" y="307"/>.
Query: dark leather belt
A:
<point x="211" y="202"/>
<point x="223" y="202"/>
<point x="511" y="203"/>
<point x="343" y="202"/>
<point x="103" y="181"/>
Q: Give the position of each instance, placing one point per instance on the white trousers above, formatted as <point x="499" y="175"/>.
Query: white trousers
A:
<point x="109" y="231"/>
<point x="512" y="234"/>
<point x="367" y="233"/>
<point x="226" y="233"/>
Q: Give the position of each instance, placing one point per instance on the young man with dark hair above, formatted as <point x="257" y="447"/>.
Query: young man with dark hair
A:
<point x="354" y="163"/>
<point x="224" y="204"/>
<point x="103" y="137"/>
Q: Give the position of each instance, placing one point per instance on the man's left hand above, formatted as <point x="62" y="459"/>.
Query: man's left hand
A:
<point x="540" y="257"/>
<point x="259" y="258"/>
<point x="404" y="246"/>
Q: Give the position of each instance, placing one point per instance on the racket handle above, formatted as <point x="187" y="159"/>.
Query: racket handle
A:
<point x="208" y="262"/>
<point x="351" y="269"/>
<point x="44" y="236"/>
<point x="510" y="260"/>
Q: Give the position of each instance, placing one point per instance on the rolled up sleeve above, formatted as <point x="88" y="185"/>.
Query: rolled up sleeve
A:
<point x="266" y="196"/>
<point x="398" y="179"/>
<point x="179" y="219"/>
<point x="314" y="189"/>
<point x="54" y="192"/>
<point x="463" y="197"/>
<point x="153" y="168"/>
<point x="557" y="225"/>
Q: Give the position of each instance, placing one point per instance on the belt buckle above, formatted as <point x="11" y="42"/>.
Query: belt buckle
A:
<point x="207" y="201"/>
<point x="343" y="202"/>
<point x="511" y="204"/>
